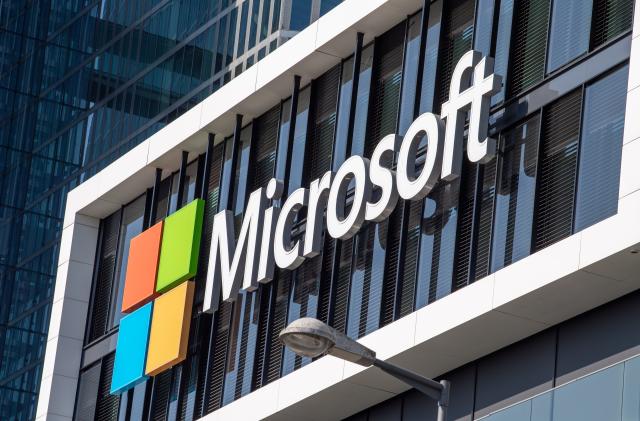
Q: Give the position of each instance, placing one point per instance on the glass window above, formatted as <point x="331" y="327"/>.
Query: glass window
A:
<point x="457" y="30"/>
<point x="242" y="346"/>
<point x="242" y="34"/>
<point x="88" y="393"/>
<point x="503" y="45"/>
<point x="362" y="102"/>
<point x="283" y="140"/>
<point x="344" y="110"/>
<point x="371" y="243"/>
<point x="569" y="38"/>
<point x="437" y="243"/>
<point x="253" y="27"/>
<point x="275" y="18"/>
<point x="513" y="220"/>
<point x="299" y="140"/>
<point x="240" y="193"/>
<point x="231" y="36"/>
<point x="300" y="14"/>
<point x="303" y="302"/>
<point x="326" y="5"/>
<point x="264" y="26"/>
<point x="190" y="183"/>
<point x="484" y="26"/>
<point x="132" y="225"/>
<point x="429" y="67"/>
<point x="610" y="19"/>
<point x="410" y="77"/>
<point x="529" y="38"/>
<point x="601" y="149"/>
<point x="558" y="158"/>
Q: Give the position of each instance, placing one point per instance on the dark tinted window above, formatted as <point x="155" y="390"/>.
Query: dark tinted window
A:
<point x="601" y="149"/>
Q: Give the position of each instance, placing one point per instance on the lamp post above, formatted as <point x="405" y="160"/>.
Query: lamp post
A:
<point x="311" y="338"/>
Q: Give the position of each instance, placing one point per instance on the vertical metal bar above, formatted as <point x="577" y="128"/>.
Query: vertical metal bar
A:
<point x="181" y="177"/>
<point x="536" y="197"/>
<point x="235" y="146"/>
<point x="292" y="128"/>
<point x="148" y="204"/>
<point x="576" y="172"/>
<point x="357" y="60"/>
<point x="154" y="199"/>
<point x="206" y="173"/>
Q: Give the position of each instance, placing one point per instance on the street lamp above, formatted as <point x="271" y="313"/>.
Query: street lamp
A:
<point x="311" y="338"/>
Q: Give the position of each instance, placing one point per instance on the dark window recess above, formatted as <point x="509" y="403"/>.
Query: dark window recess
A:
<point x="278" y="322"/>
<point x="107" y="404"/>
<point x="529" y="39"/>
<point x="322" y="124"/>
<point x="392" y="260"/>
<point x="265" y="149"/>
<point x="324" y="298"/>
<point x="513" y="221"/>
<point x="343" y="276"/>
<point x="464" y="234"/>
<point x="205" y="324"/>
<point x="188" y="397"/>
<point x="457" y="38"/>
<point x="484" y="218"/>
<point x="610" y="19"/>
<point x="104" y="276"/>
<point x="217" y="357"/>
<point x="265" y="291"/>
<point x="407" y="282"/>
<point x="557" y="170"/>
<point x="160" y="396"/>
<point x="88" y="386"/>
<point x="385" y="90"/>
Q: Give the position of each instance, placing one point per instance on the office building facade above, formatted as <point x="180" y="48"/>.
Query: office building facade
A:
<point x="83" y="82"/>
<point x="514" y="278"/>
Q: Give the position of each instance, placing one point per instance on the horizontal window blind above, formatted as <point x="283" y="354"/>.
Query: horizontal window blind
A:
<point x="610" y="19"/>
<point x="529" y="39"/>
<point x="558" y="160"/>
<point x="106" y="404"/>
<point x="104" y="277"/>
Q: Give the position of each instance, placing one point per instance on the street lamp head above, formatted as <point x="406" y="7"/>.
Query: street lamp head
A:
<point x="310" y="337"/>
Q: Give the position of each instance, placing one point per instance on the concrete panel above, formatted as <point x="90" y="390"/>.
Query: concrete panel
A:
<point x="631" y="123"/>
<point x="73" y="280"/>
<point x="611" y="237"/>
<point x="634" y="64"/>
<point x="322" y="407"/>
<point x="542" y="267"/>
<point x="68" y="353"/>
<point x="68" y="320"/>
<point x="264" y="401"/>
<point x="630" y="170"/>
<point x="599" y="338"/>
<point x="503" y="379"/>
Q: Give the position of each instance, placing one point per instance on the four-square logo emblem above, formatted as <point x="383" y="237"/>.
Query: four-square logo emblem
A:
<point x="158" y="297"/>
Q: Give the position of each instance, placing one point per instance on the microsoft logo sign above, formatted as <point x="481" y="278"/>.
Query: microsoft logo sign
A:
<point x="158" y="297"/>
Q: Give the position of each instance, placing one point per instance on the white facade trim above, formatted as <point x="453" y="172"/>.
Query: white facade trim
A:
<point x="559" y="282"/>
